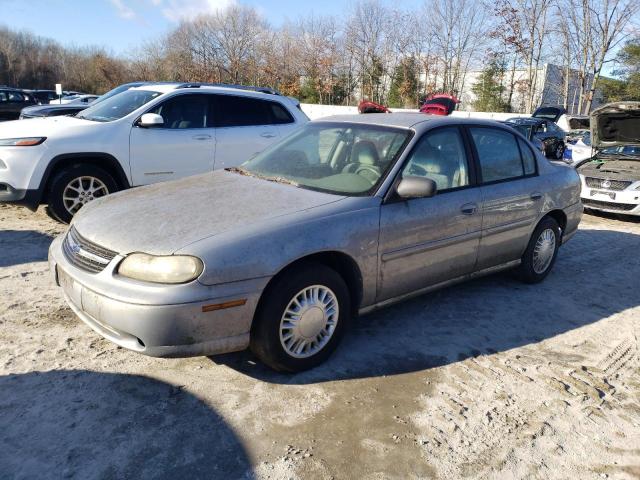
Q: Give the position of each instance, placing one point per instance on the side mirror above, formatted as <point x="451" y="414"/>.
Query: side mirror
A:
<point x="416" y="187"/>
<point x="150" y="120"/>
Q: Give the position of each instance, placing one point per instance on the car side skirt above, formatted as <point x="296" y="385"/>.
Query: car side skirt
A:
<point x="438" y="286"/>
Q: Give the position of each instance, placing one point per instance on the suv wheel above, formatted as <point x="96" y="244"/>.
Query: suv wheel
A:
<point x="541" y="252"/>
<point x="74" y="187"/>
<point x="301" y="319"/>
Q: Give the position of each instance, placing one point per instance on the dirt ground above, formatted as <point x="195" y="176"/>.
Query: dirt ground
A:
<point x="489" y="379"/>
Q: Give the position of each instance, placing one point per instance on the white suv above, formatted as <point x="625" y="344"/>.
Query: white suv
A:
<point x="148" y="134"/>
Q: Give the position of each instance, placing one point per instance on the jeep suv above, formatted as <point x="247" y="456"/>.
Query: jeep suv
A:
<point x="147" y="134"/>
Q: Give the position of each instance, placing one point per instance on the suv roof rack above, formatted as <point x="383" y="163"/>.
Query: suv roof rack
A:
<point x="267" y="90"/>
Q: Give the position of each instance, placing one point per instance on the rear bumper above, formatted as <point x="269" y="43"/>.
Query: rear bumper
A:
<point x="159" y="330"/>
<point x="574" y="215"/>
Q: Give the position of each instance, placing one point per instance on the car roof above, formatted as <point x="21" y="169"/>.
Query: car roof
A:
<point x="530" y="120"/>
<point x="195" y="87"/>
<point x="414" y="120"/>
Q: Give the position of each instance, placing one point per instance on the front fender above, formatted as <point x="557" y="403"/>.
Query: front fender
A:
<point x="265" y="252"/>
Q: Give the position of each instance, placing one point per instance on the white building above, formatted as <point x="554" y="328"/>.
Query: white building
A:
<point x="549" y="89"/>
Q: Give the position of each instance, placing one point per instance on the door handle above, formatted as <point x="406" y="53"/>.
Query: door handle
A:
<point x="536" y="196"/>
<point x="268" y="135"/>
<point x="201" y="137"/>
<point x="469" y="208"/>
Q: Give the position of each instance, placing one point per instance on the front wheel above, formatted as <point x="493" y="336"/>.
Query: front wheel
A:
<point x="301" y="318"/>
<point x="541" y="252"/>
<point x="76" y="186"/>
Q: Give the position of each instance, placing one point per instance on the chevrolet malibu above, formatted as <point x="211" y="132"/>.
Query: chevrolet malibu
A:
<point x="346" y="215"/>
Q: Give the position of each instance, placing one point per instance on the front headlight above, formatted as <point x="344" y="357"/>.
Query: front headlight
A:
<point x="21" y="142"/>
<point x="161" y="269"/>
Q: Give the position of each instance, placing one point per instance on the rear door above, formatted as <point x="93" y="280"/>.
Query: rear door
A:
<point x="425" y="241"/>
<point x="511" y="194"/>
<point x="184" y="145"/>
<point x="245" y="127"/>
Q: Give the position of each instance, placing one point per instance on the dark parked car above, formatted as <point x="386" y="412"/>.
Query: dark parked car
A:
<point x="552" y="136"/>
<point x="12" y="101"/>
<point x="43" y="97"/>
<point x="72" y="108"/>
<point x="527" y="132"/>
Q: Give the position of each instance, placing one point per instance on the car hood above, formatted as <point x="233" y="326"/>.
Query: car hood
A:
<point x="40" y="127"/>
<point x="165" y="217"/>
<point x="52" y="108"/>
<point x="615" y="124"/>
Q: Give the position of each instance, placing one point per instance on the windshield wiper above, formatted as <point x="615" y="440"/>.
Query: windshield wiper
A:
<point x="241" y="171"/>
<point x="244" y="171"/>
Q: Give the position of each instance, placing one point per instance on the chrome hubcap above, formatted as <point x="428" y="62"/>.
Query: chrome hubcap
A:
<point x="544" y="250"/>
<point x="309" y="321"/>
<point x="81" y="191"/>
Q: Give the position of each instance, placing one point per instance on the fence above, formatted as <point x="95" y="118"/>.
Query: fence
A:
<point x="314" y="111"/>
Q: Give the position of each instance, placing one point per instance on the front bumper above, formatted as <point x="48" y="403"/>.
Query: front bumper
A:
<point x="21" y="169"/>
<point x="626" y="202"/>
<point x="157" y="329"/>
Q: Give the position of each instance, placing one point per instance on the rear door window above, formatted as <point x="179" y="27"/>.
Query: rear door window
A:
<point x="498" y="154"/>
<point x="236" y="111"/>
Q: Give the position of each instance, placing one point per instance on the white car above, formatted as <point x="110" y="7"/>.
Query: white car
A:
<point x="147" y="134"/>
<point x="611" y="180"/>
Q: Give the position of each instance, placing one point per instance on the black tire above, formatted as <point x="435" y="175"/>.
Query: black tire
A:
<point x="265" y="332"/>
<point x="526" y="271"/>
<point x="56" y="206"/>
<point x="559" y="151"/>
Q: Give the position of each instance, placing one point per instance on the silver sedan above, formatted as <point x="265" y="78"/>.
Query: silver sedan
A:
<point x="346" y="215"/>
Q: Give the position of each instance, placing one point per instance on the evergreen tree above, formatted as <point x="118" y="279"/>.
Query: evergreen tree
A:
<point x="404" y="87"/>
<point x="489" y="91"/>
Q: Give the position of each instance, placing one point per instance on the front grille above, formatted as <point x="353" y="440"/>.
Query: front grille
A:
<point x="84" y="254"/>
<point x="593" y="182"/>
<point x="622" y="207"/>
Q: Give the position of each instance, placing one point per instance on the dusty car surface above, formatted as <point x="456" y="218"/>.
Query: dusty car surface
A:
<point x="611" y="180"/>
<point x="348" y="214"/>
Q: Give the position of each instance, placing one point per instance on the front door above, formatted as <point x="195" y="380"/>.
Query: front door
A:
<point x="511" y="194"/>
<point x="426" y="241"/>
<point x="184" y="145"/>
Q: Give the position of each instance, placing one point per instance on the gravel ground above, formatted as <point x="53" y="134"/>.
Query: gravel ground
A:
<point x="489" y="379"/>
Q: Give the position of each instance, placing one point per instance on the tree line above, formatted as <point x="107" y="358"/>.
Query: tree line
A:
<point x="386" y="54"/>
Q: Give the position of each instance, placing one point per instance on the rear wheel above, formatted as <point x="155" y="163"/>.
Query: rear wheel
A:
<point x="540" y="255"/>
<point x="559" y="151"/>
<point x="301" y="319"/>
<point x="74" y="187"/>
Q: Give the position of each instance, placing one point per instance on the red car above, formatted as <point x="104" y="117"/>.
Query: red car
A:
<point x="439" y="104"/>
<point x="367" y="106"/>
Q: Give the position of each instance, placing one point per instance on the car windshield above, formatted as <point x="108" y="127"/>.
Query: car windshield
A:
<point x="113" y="92"/>
<point x="623" y="150"/>
<point x="118" y="106"/>
<point x="338" y="158"/>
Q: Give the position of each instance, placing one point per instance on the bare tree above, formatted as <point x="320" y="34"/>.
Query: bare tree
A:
<point x="610" y="20"/>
